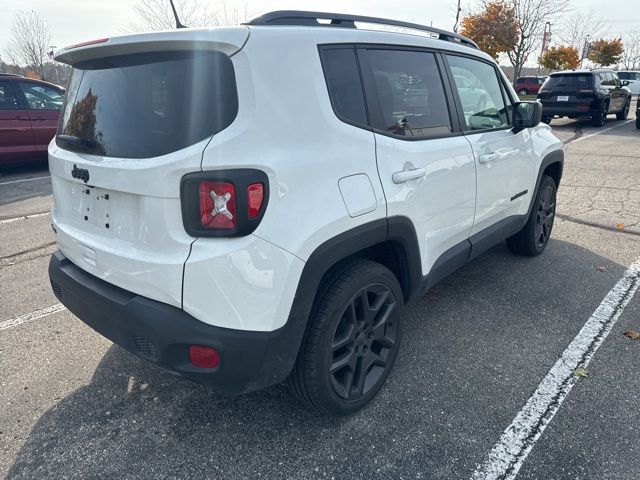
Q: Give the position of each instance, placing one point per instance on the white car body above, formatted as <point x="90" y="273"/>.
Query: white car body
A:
<point x="326" y="177"/>
<point x="633" y="77"/>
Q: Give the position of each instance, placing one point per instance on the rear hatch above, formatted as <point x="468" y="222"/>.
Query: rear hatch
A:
<point x="572" y="90"/>
<point x="139" y="112"/>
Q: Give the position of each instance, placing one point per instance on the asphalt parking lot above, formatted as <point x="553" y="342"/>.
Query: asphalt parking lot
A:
<point x="475" y="350"/>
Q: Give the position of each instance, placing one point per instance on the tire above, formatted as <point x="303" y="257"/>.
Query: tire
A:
<point x="523" y="91"/>
<point x="546" y="120"/>
<point x="345" y="357"/>
<point x="625" y="111"/>
<point x="534" y="236"/>
<point x="600" y="119"/>
<point x="638" y="123"/>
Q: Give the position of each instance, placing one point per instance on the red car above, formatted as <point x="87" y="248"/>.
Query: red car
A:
<point x="29" y="112"/>
<point x="529" y="85"/>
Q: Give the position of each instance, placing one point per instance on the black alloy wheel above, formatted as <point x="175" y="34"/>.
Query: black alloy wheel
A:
<point x="545" y="216"/>
<point x="352" y="339"/>
<point x="363" y="341"/>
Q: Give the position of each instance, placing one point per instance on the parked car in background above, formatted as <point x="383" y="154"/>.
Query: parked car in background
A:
<point x="585" y="93"/>
<point x="29" y="112"/>
<point x="633" y="77"/>
<point x="638" y="115"/>
<point x="529" y="85"/>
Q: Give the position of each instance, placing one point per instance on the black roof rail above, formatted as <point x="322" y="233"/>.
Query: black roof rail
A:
<point x="311" y="19"/>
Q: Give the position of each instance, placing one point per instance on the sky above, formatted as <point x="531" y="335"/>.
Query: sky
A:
<point x="74" y="21"/>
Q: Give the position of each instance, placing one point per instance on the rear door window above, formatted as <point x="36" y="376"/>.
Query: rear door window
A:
<point x="408" y="94"/>
<point x="146" y="105"/>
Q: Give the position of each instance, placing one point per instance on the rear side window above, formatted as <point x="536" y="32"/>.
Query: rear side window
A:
<point x="409" y="93"/>
<point x="40" y="97"/>
<point x="8" y="100"/>
<point x="343" y="81"/>
<point x="146" y="105"/>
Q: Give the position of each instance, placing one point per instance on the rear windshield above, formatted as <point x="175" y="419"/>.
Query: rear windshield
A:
<point x="571" y="81"/>
<point x="145" y="105"/>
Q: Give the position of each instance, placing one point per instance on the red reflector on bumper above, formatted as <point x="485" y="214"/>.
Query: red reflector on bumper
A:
<point x="205" y="357"/>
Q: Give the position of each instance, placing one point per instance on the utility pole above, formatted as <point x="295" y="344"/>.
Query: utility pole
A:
<point x="546" y="40"/>
<point x="585" y="50"/>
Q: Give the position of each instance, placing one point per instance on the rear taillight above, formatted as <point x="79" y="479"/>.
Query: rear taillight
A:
<point x="217" y="205"/>
<point x="224" y="203"/>
<point x="255" y="196"/>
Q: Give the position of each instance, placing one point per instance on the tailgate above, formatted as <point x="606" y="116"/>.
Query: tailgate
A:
<point x="140" y="111"/>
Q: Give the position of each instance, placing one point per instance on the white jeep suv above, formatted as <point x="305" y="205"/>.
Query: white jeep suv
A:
<point x="243" y="206"/>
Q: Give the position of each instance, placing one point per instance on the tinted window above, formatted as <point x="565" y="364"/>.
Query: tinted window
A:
<point x="343" y="81"/>
<point x="569" y="81"/>
<point x="8" y="100"/>
<point x="625" y="75"/>
<point x="409" y="93"/>
<point x="481" y="96"/>
<point x="145" y="105"/>
<point x="40" y="97"/>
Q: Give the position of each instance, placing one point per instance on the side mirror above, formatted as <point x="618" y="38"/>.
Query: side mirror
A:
<point x="625" y="83"/>
<point x="527" y="115"/>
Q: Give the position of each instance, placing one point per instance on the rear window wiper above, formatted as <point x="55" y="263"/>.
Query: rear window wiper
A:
<point x="78" y="142"/>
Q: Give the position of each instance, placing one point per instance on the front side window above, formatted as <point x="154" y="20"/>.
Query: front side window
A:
<point x="343" y="81"/>
<point x="409" y="94"/>
<point x="480" y="94"/>
<point x="8" y="100"/>
<point x="146" y="105"/>
<point x="40" y="97"/>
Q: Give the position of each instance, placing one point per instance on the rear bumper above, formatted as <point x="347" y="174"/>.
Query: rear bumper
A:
<point x="569" y="110"/>
<point x="161" y="333"/>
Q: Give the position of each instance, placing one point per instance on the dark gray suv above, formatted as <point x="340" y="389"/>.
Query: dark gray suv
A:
<point x="585" y="93"/>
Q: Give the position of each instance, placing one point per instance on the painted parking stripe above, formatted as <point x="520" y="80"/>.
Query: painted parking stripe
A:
<point x="28" y="317"/>
<point x="506" y="457"/>
<point x="25" y="180"/>
<point x="24" y="217"/>
<point x="579" y="139"/>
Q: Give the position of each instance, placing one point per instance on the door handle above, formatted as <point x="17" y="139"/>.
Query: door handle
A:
<point x="499" y="154"/>
<point x="407" y="175"/>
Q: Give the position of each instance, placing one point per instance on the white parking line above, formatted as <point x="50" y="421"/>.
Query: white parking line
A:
<point x="506" y="457"/>
<point x="602" y="131"/>
<point x="27" y="317"/>
<point x="24" y="180"/>
<point x="24" y="217"/>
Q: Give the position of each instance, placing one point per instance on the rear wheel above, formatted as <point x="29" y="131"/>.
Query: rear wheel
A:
<point x="352" y="341"/>
<point x="534" y="236"/>
<point x="638" y="122"/>
<point x="600" y="117"/>
<point x="625" y="111"/>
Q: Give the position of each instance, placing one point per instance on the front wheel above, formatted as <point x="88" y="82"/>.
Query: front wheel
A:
<point x="625" y="111"/>
<point x="352" y="339"/>
<point x="546" y="120"/>
<point x="638" y="123"/>
<point x="534" y="236"/>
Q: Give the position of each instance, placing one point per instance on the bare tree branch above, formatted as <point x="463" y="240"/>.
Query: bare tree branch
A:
<point x="532" y="15"/>
<point x="157" y="15"/>
<point x="30" y="40"/>
<point x="578" y="27"/>
<point x="631" y="56"/>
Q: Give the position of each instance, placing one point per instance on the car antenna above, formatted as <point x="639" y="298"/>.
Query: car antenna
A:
<point x="175" y="14"/>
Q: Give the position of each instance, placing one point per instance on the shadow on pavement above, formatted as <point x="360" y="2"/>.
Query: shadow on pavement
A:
<point x="473" y="351"/>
